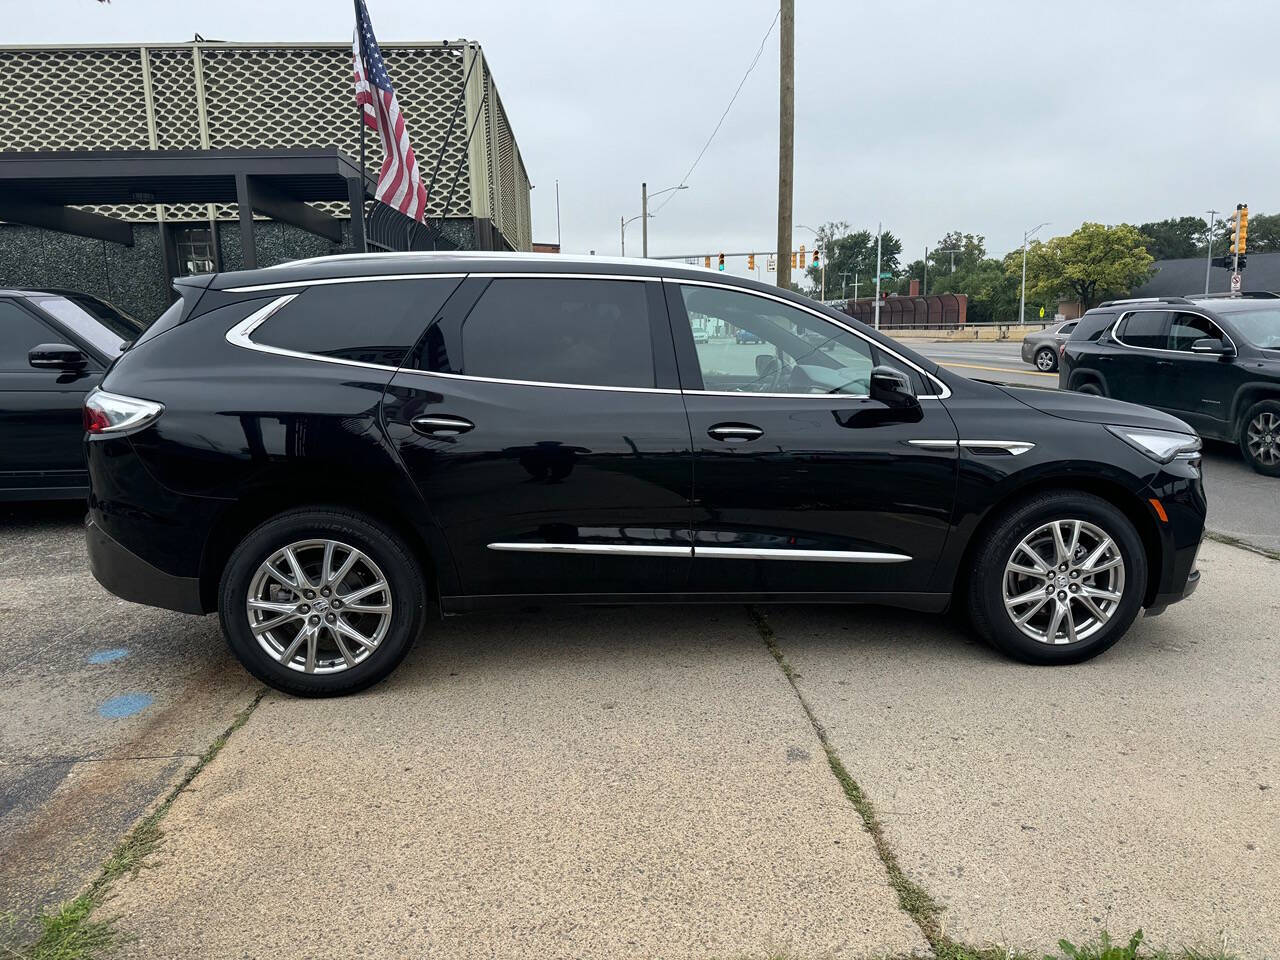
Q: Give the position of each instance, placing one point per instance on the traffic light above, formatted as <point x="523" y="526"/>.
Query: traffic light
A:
<point x="706" y="261"/>
<point x="751" y="262"/>
<point x="722" y="261"/>
<point x="1233" y="245"/>
<point x="815" y="258"/>
<point x="1242" y="230"/>
<point x="793" y="259"/>
<point x="802" y="256"/>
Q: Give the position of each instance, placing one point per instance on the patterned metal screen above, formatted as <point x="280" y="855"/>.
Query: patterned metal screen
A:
<point x="227" y="95"/>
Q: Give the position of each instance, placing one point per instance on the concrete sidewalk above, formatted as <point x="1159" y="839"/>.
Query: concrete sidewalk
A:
<point x="1137" y="790"/>
<point x="580" y="783"/>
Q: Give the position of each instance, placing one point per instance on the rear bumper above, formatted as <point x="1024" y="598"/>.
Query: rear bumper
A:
<point x="130" y="577"/>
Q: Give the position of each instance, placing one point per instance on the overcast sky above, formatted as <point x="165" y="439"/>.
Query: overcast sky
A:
<point x="987" y="116"/>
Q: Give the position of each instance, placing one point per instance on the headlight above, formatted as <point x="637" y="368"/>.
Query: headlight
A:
<point x="1160" y="445"/>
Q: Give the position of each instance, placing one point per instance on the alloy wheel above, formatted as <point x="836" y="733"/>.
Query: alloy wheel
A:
<point x="1044" y="360"/>
<point x="1063" y="581"/>
<point x="319" y="606"/>
<point x="1262" y="437"/>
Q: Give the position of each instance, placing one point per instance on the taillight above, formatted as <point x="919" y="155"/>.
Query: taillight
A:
<point x="113" y="414"/>
<point x="1062" y="350"/>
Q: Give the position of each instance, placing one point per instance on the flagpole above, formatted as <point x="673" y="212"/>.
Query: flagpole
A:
<point x="364" y="234"/>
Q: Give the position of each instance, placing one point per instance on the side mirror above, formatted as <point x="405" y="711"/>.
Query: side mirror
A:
<point x="892" y="387"/>
<point x="766" y="365"/>
<point x="1214" y="346"/>
<point x="57" y="356"/>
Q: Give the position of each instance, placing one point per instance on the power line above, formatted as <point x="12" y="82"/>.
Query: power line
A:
<point x="720" y="122"/>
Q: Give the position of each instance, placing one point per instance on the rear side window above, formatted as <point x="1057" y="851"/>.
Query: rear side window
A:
<point x="1066" y="328"/>
<point x="1144" y="329"/>
<point x="1092" y="325"/>
<point x="561" y="330"/>
<point x="369" y="322"/>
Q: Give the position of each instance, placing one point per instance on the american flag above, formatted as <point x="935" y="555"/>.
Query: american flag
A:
<point x="399" y="183"/>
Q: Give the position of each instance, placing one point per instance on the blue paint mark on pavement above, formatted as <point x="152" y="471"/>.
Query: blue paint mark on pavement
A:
<point x="106" y="656"/>
<point x="125" y="706"/>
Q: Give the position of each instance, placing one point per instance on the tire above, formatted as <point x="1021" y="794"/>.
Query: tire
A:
<point x="1046" y="360"/>
<point x="1091" y="388"/>
<point x="1260" y="437"/>
<point x="991" y="581"/>
<point x="339" y="664"/>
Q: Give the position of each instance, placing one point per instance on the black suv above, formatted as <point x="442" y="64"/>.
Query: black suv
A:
<point x="320" y="450"/>
<point x="1211" y="361"/>
<point x="55" y="346"/>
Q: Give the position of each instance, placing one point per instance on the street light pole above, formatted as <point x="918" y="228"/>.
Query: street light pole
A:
<point x="1022" y="300"/>
<point x="1208" y="258"/>
<point x="623" y="221"/>
<point x="786" y="135"/>
<point x="878" y="234"/>
<point x="644" y="220"/>
<point x="924" y="284"/>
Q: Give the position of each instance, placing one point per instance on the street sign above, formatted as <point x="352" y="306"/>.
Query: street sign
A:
<point x="1042" y="313"/>
<point x="771" y="264"/>
<point x="886" y="276"/>
<point x="1235" y="283"/>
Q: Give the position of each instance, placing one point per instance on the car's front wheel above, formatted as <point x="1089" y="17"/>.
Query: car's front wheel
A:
<point x="1059" y="579"/>
<point x="321" y="601"/>
<point x="1046" y="359"/>
<point x="1260" y="437"/>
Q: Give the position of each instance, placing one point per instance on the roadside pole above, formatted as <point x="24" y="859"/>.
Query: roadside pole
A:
<point x="623" y="220"/>
<point x="786" y="137"/>
<point x="878" y="232"/>
<point x="1208" y="258"/>
<point x="644" y="220"/>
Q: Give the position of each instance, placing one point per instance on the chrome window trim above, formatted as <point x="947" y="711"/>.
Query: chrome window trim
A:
<point x="1168" y="309"/>
<point x="942" y="394"/>
<point x="324" y="281"/>
<point x="537" y="383"/>
<point x="1014" y="447"/>
<point x="239" y="336"/>
<point x="709" y="553"/>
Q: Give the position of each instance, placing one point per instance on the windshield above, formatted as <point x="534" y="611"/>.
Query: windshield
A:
<point x="1259" y="325"/>
<point x="96" y="321"/>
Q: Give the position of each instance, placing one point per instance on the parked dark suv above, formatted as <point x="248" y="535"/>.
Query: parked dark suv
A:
<point x="55" y="346"/>
<point x="319" y="450"/>
<point x="1213" y="362"/>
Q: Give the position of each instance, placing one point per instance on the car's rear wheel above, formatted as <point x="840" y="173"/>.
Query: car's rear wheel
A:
<point x="1046" y="359"/>
<point x="1260" y="437"/>
<point x="321" y="601"/>
<point x="1059" y="579"/>
<point x="1090" y="387"/>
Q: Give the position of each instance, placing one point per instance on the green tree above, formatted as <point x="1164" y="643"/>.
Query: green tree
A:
<point x="1093" y="262"/>
<point x="1175" y="238"/>
<point x="848" y="254"/>
<point x="1264" y="234"/>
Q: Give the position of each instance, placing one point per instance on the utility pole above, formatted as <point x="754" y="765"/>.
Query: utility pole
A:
<point x="924" y="284"/>
<point x="786" y="137"/>
<point x="878" y="233"/>
<point x="1022" y="301"/>
<point x="644" y="219"/>
<point x="623" y="221"/>
<point x="1208" y="259"/>
<point x="557" y="213"/>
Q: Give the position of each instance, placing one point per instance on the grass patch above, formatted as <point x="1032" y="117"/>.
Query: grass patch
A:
<point x="916" y="901"/>
<point x="71" y="932"/>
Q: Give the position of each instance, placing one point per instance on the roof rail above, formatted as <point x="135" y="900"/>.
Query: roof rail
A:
<point x="1245" y="295"/>
<point x="1116" y="303"/>
<point x="477" y="255"/>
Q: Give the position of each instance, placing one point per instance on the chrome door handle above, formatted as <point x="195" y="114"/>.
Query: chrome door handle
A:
<point x="441" y="425"/>
<point x="734" y="432"/>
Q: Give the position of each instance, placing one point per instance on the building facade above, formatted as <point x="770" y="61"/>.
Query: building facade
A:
<point x="211" y="96"/>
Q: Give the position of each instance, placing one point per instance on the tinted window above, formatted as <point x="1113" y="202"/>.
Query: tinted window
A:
<point x="1066" y="328"/>
<point x="370" y="322"/>
<point x="750" y="344"/>
<point x="1144" y="329"/>
<point x="94" y="320"/>
<point x="1092" y="325"/>
<point x="1187" y="328"/>
<point x="19" y="332"/>
<point x="557" y="330"/>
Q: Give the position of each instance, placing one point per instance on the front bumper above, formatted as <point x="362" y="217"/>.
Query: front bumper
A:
<point x="130" y="577"/>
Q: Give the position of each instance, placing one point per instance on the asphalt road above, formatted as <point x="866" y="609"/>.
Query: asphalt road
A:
<point x="1243" y="504"/>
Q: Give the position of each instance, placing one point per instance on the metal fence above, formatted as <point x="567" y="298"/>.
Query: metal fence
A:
<point x="945" y="311"/>
<point x="207" y="95"/>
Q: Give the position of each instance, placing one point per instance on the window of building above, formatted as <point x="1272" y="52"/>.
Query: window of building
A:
<point x="750" y="344"/>
<point x="195" y="250"/>
<point x="1145" y="329"/>
<point x="19" y="332"/>
<point x="370" y="322"/>
<point x="561" y="330"/>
